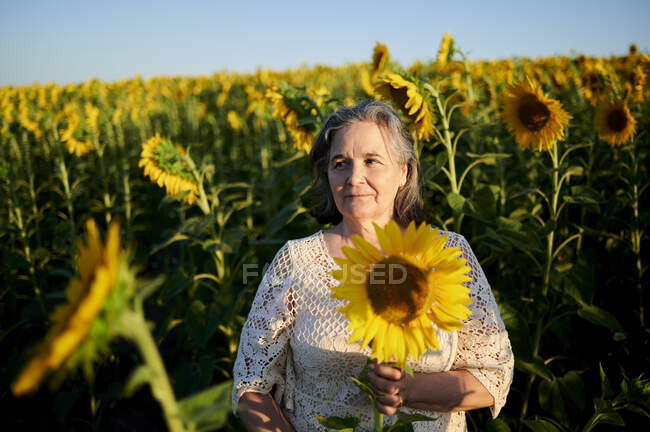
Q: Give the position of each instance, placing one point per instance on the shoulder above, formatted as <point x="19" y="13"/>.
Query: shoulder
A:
<point x="299" y="249"/>
<point x="305" y="242"/>
<point x="453" y="238"/>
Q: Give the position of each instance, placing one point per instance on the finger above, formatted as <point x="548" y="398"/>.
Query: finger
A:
<point x="388" y="372"/>
<point x="383" y="385"/>
<point x="394" y="401"/>
<point x="384" y="409"/>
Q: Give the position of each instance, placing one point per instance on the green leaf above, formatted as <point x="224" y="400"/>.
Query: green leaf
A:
<point x="176" y="237"/>
<point x="366" y="389"/>
<point x="541" y="425"/>
<point x="535" y="366"/>
<point x="583" y="195"/>
<point x="599" y="316"/>
<point x="605" y="388"/>
<point x="339" y="423"/>
<point x="518" y="331"/>
<point x="484" y="202"/>
<point x="490" y="158"/>
<point x="441" y="160"/>
<point x="405" y="420"/>
<point x="604" y="413"/>
<point x="509" y="223"/>
<point x="213" y="245"/>
<point x="207" y="410"/>
<point x="551" y="400"/>
<point x="497" y="425"/>
<point x="578" y="281"/>
<point x="201" y="322"/>
<point x="140" y="376"/>
<point x="456" y="201"/>
<point x="573" y="389"/>
<point x="574" y="170"/>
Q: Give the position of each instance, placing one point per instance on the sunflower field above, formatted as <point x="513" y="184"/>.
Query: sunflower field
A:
<point x="137" y="217"/>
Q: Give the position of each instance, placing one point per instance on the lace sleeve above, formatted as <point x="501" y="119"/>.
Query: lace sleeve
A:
<point x="483" y="345"/>
<point x="263" y="344"/>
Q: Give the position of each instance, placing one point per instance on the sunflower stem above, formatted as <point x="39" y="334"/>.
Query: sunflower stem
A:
<point x="379" y="421"/>
<point x="134" y="327"/>
<point x="539" y="326"/>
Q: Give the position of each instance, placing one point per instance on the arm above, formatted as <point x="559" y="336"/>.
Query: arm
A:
<point x="259" y="373"/>
<point x="260" y="413"/>
<point x="448" y="391"/>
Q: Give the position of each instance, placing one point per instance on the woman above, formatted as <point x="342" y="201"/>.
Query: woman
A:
<point x="294" y="361"/>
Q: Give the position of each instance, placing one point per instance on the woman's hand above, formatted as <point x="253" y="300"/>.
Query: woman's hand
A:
<point x="390" y="382"/>
<point x="456" y="390"/>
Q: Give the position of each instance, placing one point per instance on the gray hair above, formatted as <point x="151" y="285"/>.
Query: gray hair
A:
<point x="408" y="201"/>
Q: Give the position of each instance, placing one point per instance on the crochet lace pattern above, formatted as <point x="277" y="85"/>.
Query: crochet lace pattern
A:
<point x="295" y="343"/>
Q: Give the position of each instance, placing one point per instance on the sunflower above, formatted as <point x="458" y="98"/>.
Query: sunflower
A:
<point x="635" y="84"/>
<point x="366" y="83"/>
<point x="77" y="147"/>
<point x="302" y="135"/>
<point x="234" y="121"/>
<point x="163" y="164"/>
<point x="536" y="121"/>
<point x="446" y="49"/>
<point x="614" y="122"/>
<point x="98" y="266"/>
<point x="408" y="98"/>
<point x="394" y="300"/>
<point x="379" y="58"/>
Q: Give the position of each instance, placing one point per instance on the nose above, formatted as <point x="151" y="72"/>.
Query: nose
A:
<point x="356" y="175"/>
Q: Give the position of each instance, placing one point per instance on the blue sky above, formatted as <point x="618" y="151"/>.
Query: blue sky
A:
<point x="65" y="41"/>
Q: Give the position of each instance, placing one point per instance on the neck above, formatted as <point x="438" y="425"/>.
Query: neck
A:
<point x="364" y="227"/>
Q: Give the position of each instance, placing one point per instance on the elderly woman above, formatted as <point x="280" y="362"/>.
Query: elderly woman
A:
<point x="294" y="360"/>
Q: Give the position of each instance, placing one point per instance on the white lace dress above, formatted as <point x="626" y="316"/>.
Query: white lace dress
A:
<point x="295" y="343"/>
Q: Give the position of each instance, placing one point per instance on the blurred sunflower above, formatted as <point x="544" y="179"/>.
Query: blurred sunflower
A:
<point x="92" y="117"/>
<point x="446" y="49"/>
<point x="636" y="83"/>
<point x="423" y="286"/>
<point x="614" y="122"/>
<point x="379" y="58"/>
<point x="234" y="121"/>
<point x="163" y="164"/>
<point x="536" y="121"/>
<point x="98" y="267"/>
<point x="408" y="98"/>
<point x="302" y="135"/>
<point x="366" y="83"/>
<point x="77" y="147"/>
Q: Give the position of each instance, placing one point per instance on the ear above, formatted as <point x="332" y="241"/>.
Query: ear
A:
<point x="404" y="175"/>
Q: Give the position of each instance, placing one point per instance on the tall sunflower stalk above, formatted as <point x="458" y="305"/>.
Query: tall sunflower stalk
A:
<point x="102" y="303"/>
<point x="635" y="189"/>
<point x="443" y="135"/>
<point x="108" y="200"/>
<point x="538" y="123"/>
<point x="62" y="174"/>
<point x="21" y="222"/>
<point x="115" y="134"/>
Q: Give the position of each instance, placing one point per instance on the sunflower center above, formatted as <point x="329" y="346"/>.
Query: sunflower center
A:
<point x="400" y="95"/>
<point x="617" y="120"/>
<point x="397" y="290"/>
<point x="169" y="159"/>
<point x="533" y="113"/>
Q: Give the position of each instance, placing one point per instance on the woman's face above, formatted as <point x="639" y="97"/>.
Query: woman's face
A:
<point x="363" y="173"/>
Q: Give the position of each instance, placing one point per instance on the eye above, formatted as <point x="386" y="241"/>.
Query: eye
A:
<point x="338" y="164"/>
<point x="372" y="162"/>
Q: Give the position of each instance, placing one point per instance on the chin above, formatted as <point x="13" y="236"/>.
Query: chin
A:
<point x="359" y="215"/>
